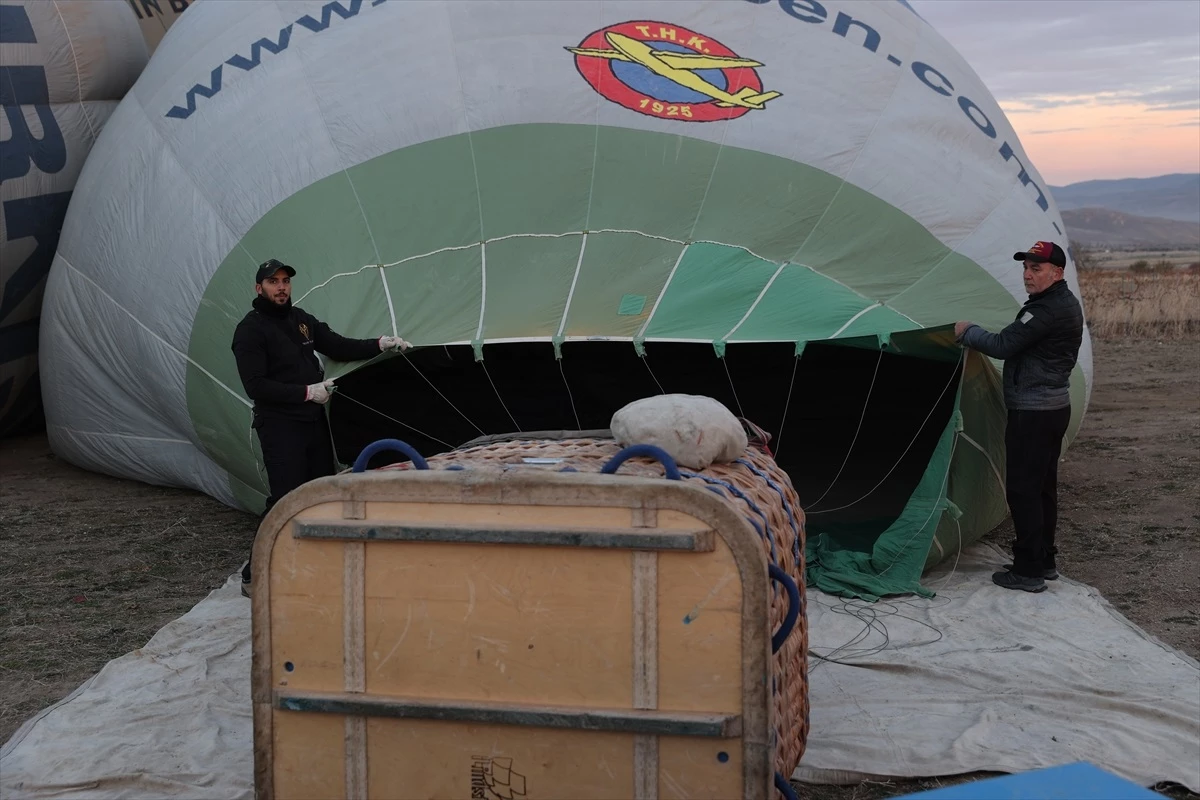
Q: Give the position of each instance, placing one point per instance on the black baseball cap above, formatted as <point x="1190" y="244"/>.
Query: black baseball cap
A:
<point x="270" y="267"/>
<point x="1044" y="252"/>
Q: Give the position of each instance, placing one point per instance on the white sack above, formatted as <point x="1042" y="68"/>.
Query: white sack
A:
<point x="694" y="430"/>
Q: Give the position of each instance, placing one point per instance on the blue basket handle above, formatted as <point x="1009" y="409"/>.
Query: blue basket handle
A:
<point x="785" y="788"/>
<point x="647" y="450"/>
<point x="793" y="613"/>
<point x="384" y="445"/>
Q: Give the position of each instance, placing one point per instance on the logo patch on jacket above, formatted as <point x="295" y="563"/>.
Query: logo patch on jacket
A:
<point x="1025" y="318"/>
<point x="304" y="330"/>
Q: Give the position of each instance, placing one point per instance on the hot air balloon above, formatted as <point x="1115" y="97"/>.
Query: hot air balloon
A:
<point x="155" y="18"/>
<point x="66" y="65"/>
<point x="565" y="206"/>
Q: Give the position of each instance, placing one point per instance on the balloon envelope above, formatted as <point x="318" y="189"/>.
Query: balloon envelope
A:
<point x="564" y="206"/>
<point x="66" y="65"/>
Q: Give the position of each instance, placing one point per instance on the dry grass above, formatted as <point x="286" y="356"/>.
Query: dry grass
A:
<point x="1161" y="305"/>
<point x="93" y="567"/>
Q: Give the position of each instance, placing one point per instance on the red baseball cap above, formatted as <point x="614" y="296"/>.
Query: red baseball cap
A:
<point x="1044" y="252"/>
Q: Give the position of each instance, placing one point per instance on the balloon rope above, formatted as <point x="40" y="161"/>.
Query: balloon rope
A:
<point x="956" y="375"/>
<point x="501" y="399"/>
<point x="393" y="419"/>
<point x="786" y="404"/>
<point x="439" y="391"/>
<point x="646" y="361"/>
<point x="570" y="396"/>
<point x="732" y="388"/>
<point x="853" y="441"/>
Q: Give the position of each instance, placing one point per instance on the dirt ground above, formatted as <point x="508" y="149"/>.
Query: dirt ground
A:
<point x="93" y="565"/>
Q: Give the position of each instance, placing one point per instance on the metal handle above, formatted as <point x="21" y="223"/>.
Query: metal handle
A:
<point x="785" y="788"/>
<point x="647" y="450"/>
<point x="793" y="613"/>
<point x="384" y="445"/>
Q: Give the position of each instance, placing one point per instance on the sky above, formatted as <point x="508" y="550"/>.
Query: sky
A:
<point x="1094" y="88"/>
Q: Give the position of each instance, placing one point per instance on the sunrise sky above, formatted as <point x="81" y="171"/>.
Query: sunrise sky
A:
<point x="1094" y="88"/>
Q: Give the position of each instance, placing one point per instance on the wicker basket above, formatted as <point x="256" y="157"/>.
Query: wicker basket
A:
<point x="754" y="486"/>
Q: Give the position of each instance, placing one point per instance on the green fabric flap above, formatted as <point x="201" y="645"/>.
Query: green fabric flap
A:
<point x="894" y="562"/>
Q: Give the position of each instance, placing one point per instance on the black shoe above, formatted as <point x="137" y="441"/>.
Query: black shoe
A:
<point x="1049" y="573"/>
<point x="1011" y="580"/>
<point x="246" y="579"/>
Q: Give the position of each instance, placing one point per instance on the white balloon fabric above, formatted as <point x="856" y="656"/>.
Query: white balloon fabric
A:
<point x="588" y="177"/>
<point x="155" y="18"/>
<point x="65" y="67"/>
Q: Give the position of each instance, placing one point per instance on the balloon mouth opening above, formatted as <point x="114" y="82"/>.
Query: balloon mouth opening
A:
<point x="854" y="428"/>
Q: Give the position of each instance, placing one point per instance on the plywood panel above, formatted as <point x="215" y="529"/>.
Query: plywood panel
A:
<point x="488" y="622"/>
<point x="691" y="768"/>
<point x="309" y="757"/>
<point x="699" y="631"/>
<point x="453" y="760"/>
<point x="519" y="624"/>
<point x="307" y="621"/>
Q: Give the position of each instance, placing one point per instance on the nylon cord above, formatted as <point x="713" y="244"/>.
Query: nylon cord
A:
<point x="732" y="388"/>
<point x="846" y="460"/>
<point x="393" y="419"/>
<point x="501" y="399"/>
<point x="570" y="396"/>
<point x="787" y="404"/>
<point x="913" y="441"/>
<point x="653" y="377"/>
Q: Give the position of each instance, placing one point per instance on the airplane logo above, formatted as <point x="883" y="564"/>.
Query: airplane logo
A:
<point x="664" y="70"/>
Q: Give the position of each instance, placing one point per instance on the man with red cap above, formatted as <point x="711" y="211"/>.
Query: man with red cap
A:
<point x="275" y="345"/>
<point x="1039" y="349"/>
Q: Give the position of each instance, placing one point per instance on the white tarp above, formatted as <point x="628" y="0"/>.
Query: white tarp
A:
<point x="1013" y="682"/>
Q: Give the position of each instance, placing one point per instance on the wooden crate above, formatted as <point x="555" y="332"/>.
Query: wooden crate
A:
<point x="510" y="634"/>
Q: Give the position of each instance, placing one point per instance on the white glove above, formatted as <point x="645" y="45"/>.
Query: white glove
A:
<point x="319" y="392"/>
<point x="393" y="343"/>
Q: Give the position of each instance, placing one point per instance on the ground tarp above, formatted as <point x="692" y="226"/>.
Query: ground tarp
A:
<point x="977" y="678"/>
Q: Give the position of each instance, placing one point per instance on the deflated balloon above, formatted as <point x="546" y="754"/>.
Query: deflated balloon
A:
<point x="564" y="207"/>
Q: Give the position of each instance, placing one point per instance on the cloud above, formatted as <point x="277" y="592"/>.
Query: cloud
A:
<point x="1028" y="105"/>
<point x="1058" y="130"/>
<point x="1177" y="105"/>
<point x="1126" y="52"/>
<point x="1094" y="89"/>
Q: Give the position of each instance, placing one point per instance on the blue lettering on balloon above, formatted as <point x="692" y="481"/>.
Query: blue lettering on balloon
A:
<point x="275" y="47"/>
<point x="40" y="217"/>
<point x="26" y="86"/>
<point x="813" y="12"/>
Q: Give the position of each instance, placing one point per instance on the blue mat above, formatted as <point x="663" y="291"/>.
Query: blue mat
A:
<point x="1079" y="781"/>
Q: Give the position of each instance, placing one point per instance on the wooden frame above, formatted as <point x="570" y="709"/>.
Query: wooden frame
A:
<point x="645" y="498"/>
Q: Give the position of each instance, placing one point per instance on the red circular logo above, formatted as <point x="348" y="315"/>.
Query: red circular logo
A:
<point x="664" y="70"/>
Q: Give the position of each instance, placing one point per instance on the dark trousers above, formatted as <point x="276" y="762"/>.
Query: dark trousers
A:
<point x="1033" y="442"/>
<point x="294" y="453"/>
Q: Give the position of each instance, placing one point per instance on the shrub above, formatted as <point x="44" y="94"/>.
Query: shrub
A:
<point x="1142" y="304"/>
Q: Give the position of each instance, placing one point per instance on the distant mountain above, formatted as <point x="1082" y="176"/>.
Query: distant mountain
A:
<point x="1103" y="227"/>
<point x="1174" y="197"/>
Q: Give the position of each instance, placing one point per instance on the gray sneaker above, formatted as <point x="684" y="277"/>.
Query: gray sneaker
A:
<point x="245" y="579"/>
<point x="1011" y="580"/>
<point x="1050" y="573"/>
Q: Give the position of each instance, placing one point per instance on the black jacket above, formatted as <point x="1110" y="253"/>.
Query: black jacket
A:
<point x="276" y="346"/>
<point x="1039" y="349"/>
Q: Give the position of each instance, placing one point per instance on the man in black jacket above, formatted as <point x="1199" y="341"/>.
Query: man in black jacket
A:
<point x="1039" y="349"/>
<point x="275" y="345"/>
